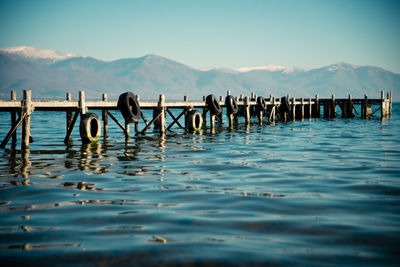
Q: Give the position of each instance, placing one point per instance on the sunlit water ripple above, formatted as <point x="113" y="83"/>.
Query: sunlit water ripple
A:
<point x="308" y="192"/>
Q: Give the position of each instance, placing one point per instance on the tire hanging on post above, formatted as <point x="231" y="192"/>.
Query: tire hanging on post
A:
<point x="194" y="120"/>
<point x="231" y="105"/>
<point x="129" y="107"/>
<point x="90" y="128"/>
<point x="213" y="105"/>
<point x="261" y="103"/>
<point x="285" y="107"/>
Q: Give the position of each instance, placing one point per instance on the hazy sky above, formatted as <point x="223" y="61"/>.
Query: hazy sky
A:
<point x="213" y="33"/>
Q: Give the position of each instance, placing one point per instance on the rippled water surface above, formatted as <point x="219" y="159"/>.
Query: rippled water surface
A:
<point x="307" y="192"/>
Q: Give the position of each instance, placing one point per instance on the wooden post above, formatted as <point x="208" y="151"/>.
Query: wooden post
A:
<point x="326" y="109"/>
<point x="212" y="120"/>
<point x="69" y="113"/>
<point x="231" y="117"/>
<point x="273" y="111"/>
<point x="316" y="110"/>
<point x="260" y="117"/>
<point x="205" y="109"/>
<point x="350" y="107"/>
<point x="104" y="114"/>
<point x="390" y="103"/>
<point x="383" y="106"/>
<point x="366" y="108"/>
<point x="127" y="130"/>
<point x="302" y="108"/>
<point x="293" y="109"/>
<point x="26" y="124"/>
<point x="309" y="108"/>
<point x="185" y="98"/>
<point x="13" y="118"/>
<point x="333" y="107"/>
<point x="247" y="109"/>
<point x="137" y="123"/>
<point x="347" y="108"/>
<point x="82" y="104"/>
<point x="161" y="105"/>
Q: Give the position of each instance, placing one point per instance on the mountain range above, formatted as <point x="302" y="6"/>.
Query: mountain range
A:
<point x="51" y="74"/>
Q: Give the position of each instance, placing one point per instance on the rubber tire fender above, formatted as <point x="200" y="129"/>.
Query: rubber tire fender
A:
<point x="129" y="107"/>
<point x="231" y="105"/>
<point x="90" y="128"/>
<point x="285" y="104"/>
<point x="213" y="105"/>
<point x="261" y="103"/>
<point x="194" y="120"/>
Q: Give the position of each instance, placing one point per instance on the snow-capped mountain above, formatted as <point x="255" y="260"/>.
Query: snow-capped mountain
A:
<point x="52" y="74"/>
<point x="37" y="55"/>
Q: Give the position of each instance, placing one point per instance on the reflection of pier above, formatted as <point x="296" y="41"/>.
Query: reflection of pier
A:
<point x="268" y="110"/>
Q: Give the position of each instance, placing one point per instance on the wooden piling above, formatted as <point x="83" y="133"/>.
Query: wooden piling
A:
<point x="302" y="108"/>
<point x="26" y="123"/>
<point x="273" y="111"/>
<point x="82" y="103"/>
<point x="326" y="109"/>
<point x="185" y="98"/>
<point x="13" y="118"/>
<point x="347" y="108"/>
<point x="230" y="116"/>
<point x="161" y="105"/>
<point x="390" y="103"/>
<point x="383" y="105"/>
<point x="366" y="110"/>
<point x="69" y="112"/>
<point x="293" y="109"/>
<point x="212" y="120"/>
<point x="141" y="115"/>
<point x="333" y="107"/>
<point x="247" y="110"/>
<point x="104" y="114"/>
<point x="316" y="109"/>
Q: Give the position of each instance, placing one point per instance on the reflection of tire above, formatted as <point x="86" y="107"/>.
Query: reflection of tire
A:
<point x="213" y="105"/>
<point x="90" y="128"/>
<point x="129" y="107"/>
<point x="231" y="105"/>
<point x="194" y="120"/>
<point x="285" y="107"/>
<point x="261" y="103"/>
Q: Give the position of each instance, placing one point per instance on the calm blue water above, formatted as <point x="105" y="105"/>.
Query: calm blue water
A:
<point x="310" y="192"/>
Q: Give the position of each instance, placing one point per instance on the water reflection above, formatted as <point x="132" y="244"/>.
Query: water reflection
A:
<point x="90" y="157"/>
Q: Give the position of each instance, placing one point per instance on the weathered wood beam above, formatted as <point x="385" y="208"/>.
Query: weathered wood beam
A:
<point x="151" y="122"/>
<point x="116" y="121"/>
<point x="12" y="130"/>
<point x="175" y="119"/>
<point x="70" y="127"/>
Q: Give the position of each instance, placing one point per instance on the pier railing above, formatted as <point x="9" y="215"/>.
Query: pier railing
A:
<point x="266" y="109"/>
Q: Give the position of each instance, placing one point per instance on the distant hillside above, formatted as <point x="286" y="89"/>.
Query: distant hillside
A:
<point x="50" y="74"/>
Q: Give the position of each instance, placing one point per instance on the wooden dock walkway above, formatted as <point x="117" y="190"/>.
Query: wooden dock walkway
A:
<point x="266" y="109"/>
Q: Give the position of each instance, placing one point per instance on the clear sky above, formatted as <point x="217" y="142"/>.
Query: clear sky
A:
<point x="213" y="33"/>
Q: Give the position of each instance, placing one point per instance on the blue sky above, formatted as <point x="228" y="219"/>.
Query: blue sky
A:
<point x="214" y="33"/>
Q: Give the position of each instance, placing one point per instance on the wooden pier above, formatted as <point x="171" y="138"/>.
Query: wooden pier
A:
<point x="266" y="110"/>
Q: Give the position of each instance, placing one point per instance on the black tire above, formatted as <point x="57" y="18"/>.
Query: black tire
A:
<point x="213" y="105"/>
<point x="194" y="120"/>
<point x="261" y="103"/>
<point x="231" y="105"/>
<point x="90" y="128"/>
<point x="285" y="107"/>
<point x="129" y="107"/>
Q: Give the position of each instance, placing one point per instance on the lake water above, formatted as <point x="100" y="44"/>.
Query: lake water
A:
<point x="310" y="192"/>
